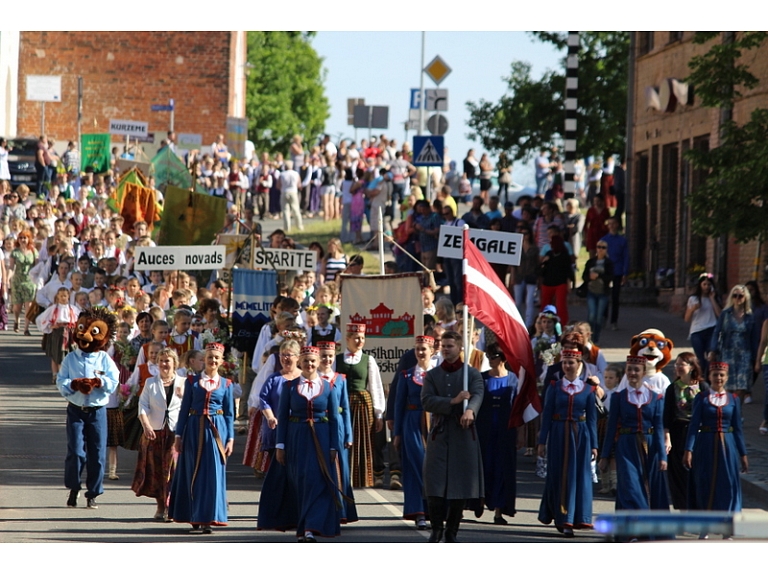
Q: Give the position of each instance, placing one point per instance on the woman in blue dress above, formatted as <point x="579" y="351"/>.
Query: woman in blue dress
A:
<point x="277" y="501"/>
<point x="715" y="450"/>
<point x="204" y="440"/>
<point x="308" y="445"/>
<point x="636" y="428"/>
<point x="411" y="430"/>
<point x="497" y="440"/>
<point x="568" y="439"/>
<point x="338" y="383"/>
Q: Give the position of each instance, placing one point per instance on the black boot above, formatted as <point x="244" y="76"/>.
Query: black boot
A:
<point x="436" y="517"/>
<point x="455" y="512"/>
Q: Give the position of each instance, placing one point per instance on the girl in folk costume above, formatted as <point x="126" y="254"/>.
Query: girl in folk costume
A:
<point x="715" y="451"/>
<point x="160" y="331"/>
<point x="339" y="386"/>
<point x="205" y="437"/>
<point x="132" y="389"/>
<point x="324" y="330"/>
<point x="411" y="431"/>
<point x="569" y="439"/>
<point x="308" y="445"/>
<point x="366" y="402"/>
<point x="124" y="356"/>
<point x="159" y="407"/>
<point x="57" y="324"/>
<point x="181" y="339"/>
<point x="636" y="428"/>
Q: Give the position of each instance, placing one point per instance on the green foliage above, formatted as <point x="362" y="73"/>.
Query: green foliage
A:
<point x="285" y="92"/>
<point x="734" y="198"/>
<point x="532" y="112"/>
<point x="716" y="75"/>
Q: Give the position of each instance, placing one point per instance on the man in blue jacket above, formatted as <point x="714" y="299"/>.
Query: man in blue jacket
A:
<point x="618" y="252"/>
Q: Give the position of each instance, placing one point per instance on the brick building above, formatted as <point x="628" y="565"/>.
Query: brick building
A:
<point x="125" y="73"/>
<point x="666" y="120"/>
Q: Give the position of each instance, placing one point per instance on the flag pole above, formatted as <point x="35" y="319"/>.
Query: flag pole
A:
<point x="465" y="318"/>
<point x="381" y="241"/>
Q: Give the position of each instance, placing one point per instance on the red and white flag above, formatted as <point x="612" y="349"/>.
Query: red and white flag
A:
<point x="489" y="301"/>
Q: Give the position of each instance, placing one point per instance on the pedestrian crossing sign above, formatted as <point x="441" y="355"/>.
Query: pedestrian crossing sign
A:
<point x="428" y="151"/>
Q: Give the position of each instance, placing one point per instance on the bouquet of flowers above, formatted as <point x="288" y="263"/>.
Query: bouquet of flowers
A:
<point x="230" y="368"/>
<point x="124" y="394"/>
<point x="128" y="354"/>
<point x="550" y="353"/>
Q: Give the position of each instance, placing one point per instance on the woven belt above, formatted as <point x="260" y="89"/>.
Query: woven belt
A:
<point x="558" y="417"/>
<point x="217" y="412"/>
<point x="632" y="430"/>
<point x="708" y="429"/>
<point x="413" y="407"/>
<point x="86" y="408"/>
<point x="304" y="420"/>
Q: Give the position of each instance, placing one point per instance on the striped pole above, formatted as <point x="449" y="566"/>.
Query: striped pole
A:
<point x="571" y="104"/>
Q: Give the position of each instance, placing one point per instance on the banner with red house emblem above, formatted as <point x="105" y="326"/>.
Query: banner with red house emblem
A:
<point x="390" y="306"/>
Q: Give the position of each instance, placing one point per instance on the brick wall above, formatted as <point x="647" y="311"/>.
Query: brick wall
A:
<point x="124" y="73"/>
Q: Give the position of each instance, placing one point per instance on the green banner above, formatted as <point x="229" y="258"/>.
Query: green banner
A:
<point x="190" y="218"/>
<point x="95" y="152"/>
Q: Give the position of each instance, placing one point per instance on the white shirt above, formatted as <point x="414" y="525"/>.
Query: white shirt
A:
<point x="133" y="381"/>
<point x="639" y="397"/>
<point x="289" y="181"/>
<point x="572" y="387"/>
<point x="718" y="399"/>
<point x="310" y="388"/>
<point x="657" y="383"/>
<point x="47" y="293"/>
<point x="704" y="317"/>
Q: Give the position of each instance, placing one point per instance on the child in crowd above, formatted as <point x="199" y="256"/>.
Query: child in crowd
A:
<point x="611" y="378"/>
<point x="191" y="363"/>
<point x="324" y="330"/>
<point x="160" y="332"/>
<point x="96" y="297"/>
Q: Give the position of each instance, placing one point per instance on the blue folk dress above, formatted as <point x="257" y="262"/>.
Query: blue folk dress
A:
<point x="410" y="426"/>
<point x="716" y="439"/>
<point x="338" y="384"/>
<point x="637" y="431"/>
<point x="569" y="428"/>
<point x="308" y="430"/>
<point x="205" y="425"/>
<point x="498" y="443"/>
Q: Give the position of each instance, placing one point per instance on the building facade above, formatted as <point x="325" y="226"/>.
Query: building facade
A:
<point x="125" y="73"/>
<point x="666" y="120"/>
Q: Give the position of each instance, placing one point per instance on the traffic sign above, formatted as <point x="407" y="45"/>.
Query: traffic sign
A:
<point x="161" y="107"/>
<point x="416" y="99"/>
<point x="437" y="100"/>
<point x="437" y="124"/>
<point x="438" y="70"/>
<point x="44" y="88"/>
<point x="428" y="151"/>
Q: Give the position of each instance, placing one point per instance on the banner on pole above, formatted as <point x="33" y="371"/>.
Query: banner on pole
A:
<point x="95" y="152"/>
<point x="253" y="294"/>
<point x="391" y="308"/>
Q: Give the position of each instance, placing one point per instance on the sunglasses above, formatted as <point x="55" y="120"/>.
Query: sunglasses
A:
<point x="493" y="356"/>
<point x="602" y="247"/>
<point x="737" y="296"/>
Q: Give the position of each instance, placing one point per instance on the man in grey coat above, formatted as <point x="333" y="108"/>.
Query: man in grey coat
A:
<point x="453" y="467"/>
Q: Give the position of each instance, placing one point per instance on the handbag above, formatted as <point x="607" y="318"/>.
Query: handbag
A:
<point x="582" y="290"/>
<point x="505" y="178"/>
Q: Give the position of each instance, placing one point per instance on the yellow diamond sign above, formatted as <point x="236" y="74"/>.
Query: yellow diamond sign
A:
<point x="437" y="70"/>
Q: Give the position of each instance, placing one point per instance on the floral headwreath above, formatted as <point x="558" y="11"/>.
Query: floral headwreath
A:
<point x="293" y="334"/>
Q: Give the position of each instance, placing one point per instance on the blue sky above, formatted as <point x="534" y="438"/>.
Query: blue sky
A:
<point x="382" y="67"/>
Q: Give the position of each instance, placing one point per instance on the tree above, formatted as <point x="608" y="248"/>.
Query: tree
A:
<point x="531" y="114"/>
<point x="733" y="199"/>
<point x="285" y="92"/>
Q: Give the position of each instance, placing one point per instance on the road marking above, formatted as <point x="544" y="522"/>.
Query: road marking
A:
<point x="394" y="511"/>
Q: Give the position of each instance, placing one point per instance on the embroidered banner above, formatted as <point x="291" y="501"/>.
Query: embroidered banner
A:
<point x="253" y="293"/>
<point x="391" y="308"/>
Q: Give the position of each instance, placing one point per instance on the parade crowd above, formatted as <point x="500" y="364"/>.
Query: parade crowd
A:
<point x="317" y="417"/>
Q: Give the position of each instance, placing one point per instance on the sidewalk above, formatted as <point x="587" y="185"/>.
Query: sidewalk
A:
<point x="615" y="346"/>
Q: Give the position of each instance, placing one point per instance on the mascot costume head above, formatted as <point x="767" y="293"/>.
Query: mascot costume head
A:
<point x="95" y="330"/>
<point x="654" y="347"/>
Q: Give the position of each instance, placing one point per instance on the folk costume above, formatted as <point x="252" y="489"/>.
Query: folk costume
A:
<point x="636" y="427"/>
<point x="411" y="427"/>
<point x="569" y="428"/>
<point x="366" y="402"/>
<point x="205" y="425"/>
<point x="309" y="433"/>
<point x="716" y="439"/>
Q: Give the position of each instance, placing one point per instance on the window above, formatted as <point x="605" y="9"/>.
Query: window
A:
<point x="675" y="37"/>
<point x="644" y="43"/>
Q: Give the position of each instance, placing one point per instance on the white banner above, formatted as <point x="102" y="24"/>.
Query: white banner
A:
<point x="129" y="128"/>
<point x="290" y="260"/>
<point x="496" y="247"/>
<point x="180" y="258"/>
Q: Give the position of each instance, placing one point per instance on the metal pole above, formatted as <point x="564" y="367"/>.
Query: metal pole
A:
<point x="79" y="110"/>
<point x="42" y="119"/>
<point x="380" y="233"/>
<point x="172" y="111"/>
<point x="465" y="317"/>
<point x="421" y="85"/>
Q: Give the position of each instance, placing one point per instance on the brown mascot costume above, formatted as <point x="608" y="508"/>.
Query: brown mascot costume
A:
<point x="657" y="351"/>
<point x="86" y="379"/>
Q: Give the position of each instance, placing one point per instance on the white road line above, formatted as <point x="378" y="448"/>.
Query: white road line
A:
<point x="394" y="511"/>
